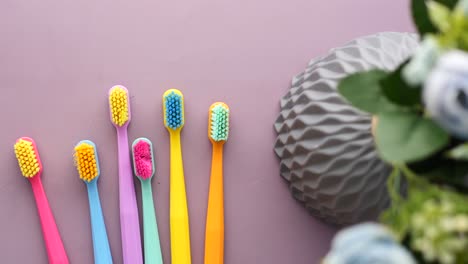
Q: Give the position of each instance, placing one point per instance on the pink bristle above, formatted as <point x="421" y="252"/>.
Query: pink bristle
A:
<point x="143" y="159"/>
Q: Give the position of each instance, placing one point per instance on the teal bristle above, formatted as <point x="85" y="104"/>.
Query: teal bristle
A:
<point x="219" y="128"/>
<point x="174" y="114"/>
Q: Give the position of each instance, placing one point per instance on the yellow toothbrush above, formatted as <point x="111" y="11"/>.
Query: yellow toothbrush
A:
<point x="173" y="103"/>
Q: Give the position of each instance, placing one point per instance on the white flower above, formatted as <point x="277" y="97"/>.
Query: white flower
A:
<point x="422" y="62"/>
<point x="418" y="220"/>
<point x="441" y="238"/>
<point x="462" y="6"/>
<point x="432" y="232"/>
<point x="461" y="223"/>
<point x="446" y="224"/>
<point x="447" y="258"/>
<point x="446" y="93"/>
<point x="446" y="207"/>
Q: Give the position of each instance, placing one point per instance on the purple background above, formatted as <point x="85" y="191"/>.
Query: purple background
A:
<point x="59" y="58"/>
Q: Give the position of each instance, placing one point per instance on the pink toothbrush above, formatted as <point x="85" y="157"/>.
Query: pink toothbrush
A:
<point x="119" y="105"/>
<point x="31" y="168"/>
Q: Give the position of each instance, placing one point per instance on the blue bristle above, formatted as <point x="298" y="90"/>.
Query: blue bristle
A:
<point x="174" y="113"/>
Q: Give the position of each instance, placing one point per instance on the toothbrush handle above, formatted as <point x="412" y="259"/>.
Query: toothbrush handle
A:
<point x="180" y="234"/>
<point x="102" y="253"/>
<point x="150" y="227"/>
<point x="53" y="242"/>
<point x="214" y="232"/>
<point x="129" y="223"/>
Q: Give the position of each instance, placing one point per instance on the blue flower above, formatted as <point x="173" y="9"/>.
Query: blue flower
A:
<point x="367" y="244"/>
<point x="446" y="93"/>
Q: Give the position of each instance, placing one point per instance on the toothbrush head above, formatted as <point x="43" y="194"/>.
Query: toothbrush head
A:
<point x="86" y="161"/>
<point x="119" y="106"/>
<point x="173" y="103"/>
<point x="218" y="122"/>
<point x="28" y="157"/>
<point x="143" y="158"/>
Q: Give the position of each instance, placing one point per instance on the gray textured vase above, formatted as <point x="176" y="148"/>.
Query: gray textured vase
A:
<point x="325" y="146"/>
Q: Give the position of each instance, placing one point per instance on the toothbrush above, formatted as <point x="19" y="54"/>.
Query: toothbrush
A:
<point x="173" y="104"/>
<point x="87" y="164"/>
<point x="143" y="166"/>
<point x="218" y="132"/>
<point x="119" y="105"/>
<point x="31" y="168"/>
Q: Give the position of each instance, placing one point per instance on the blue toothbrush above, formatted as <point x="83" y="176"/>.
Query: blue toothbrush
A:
<point x="87" y="164"/>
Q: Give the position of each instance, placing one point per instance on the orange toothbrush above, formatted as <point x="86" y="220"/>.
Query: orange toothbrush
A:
<point x="218" y="131"/>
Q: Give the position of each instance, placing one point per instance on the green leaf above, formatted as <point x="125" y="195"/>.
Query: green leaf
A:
<point x="448" y="3"/>
<point x="405" y="137"/>
<point x="459" y="152"/>
<point x="439" y="15"/>
<point x="463" y="41"/>
<point x="441" y="169"/>
<point x="363" y="91"/>
<point x="421" y="17"/>
<point x="398" y="91"/>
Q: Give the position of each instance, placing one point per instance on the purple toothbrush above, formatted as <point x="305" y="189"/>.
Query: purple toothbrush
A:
<point x="119" y="105"/>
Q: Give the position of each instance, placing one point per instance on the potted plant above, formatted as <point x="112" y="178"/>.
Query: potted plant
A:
<point x="420" y="114"/>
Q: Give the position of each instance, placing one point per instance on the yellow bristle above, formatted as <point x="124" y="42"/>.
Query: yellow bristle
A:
<point x="27" y="159"/>
<point x="118" y="102"/>
<point x="85" y="162"/>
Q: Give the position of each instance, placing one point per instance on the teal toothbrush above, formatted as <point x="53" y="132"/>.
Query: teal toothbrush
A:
<point x="143" y="165"/>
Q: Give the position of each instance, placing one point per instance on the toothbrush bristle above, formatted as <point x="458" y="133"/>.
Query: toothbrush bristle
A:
<point x="119" y="106"/>
<point x="143" y="159"/>
<point x="86" y="160"/>
<point x="219" y="122"/>
<point x="173" y="109"/>
<point x="28" y="157"/>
